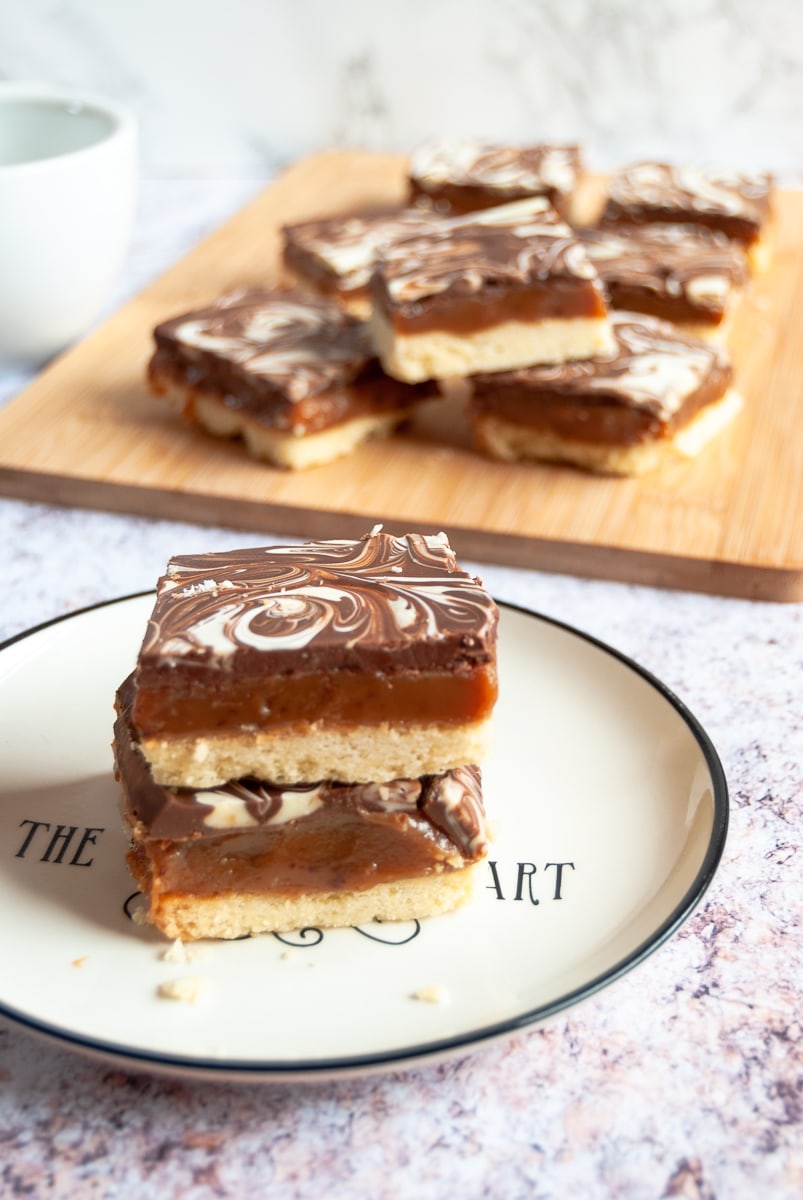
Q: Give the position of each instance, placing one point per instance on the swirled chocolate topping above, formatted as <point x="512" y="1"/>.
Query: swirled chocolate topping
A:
<point x="282" y="343"/>
<point x="512" y="246"/>
<point x="675" y="265"/>
<point x="652" y="367"/>
<point x="738" y="203"/>
<point x="381" y="603"/>
<point x="450" y="804"/>
<point x="444" y="169"/>
<point x="340" y="252"/>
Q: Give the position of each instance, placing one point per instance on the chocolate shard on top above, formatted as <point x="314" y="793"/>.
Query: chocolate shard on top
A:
<point x="462" y="176"/>
<point x="736" y="203"/>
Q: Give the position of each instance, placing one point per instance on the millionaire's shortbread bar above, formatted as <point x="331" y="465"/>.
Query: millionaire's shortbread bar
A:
<point x="299" y="742"/>
<point x="292" y="374"/>
<point x="463" y="176"/>
<point x="659" y="395"/>
<point x="360" y="660"/>
<point x="489" y="291"/>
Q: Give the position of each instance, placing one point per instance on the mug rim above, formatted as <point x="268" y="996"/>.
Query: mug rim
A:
<point x="121" y="119"/>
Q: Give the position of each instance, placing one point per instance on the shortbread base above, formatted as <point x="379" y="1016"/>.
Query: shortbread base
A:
<point x="358" y="755"/>
<point x="439" y="354"/>
<point x="511" y="442"/>
<point x="239" y="914"/>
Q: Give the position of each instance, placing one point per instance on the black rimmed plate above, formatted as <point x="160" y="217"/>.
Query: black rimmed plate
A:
<point x="609" y="812"/>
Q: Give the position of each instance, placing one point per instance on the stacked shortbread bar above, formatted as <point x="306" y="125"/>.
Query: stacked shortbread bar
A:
<point x="300" y="741"/>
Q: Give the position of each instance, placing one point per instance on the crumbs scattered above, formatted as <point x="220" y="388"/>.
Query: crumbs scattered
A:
<point x="177" y="952"/>
<point x="187" y="990"/>
<point x="79" y="962"/>
<point x="433" y="994"/>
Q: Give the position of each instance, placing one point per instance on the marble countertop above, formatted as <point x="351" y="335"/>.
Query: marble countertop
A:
<point x="682" y="1079"/>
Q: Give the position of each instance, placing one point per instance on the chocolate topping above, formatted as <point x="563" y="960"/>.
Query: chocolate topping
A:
<point x="450" y="803"/>
<point x="383" y="603"/>
<point x="512" y="246"/>
<point x="458" y="174"/>
<point x="652" y="368"/>
<point x="339" y="253"/>
<point x="681" y="269"/>
<point x="737" y="203"/>
<point x="286" y="343"/>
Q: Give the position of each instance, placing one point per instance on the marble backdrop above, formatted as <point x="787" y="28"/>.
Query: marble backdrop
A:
<point x="242" y="87"/>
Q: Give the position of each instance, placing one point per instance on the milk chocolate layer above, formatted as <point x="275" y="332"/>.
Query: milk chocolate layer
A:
<point x="653" y="383"/>
<point x="323" y="625"/>
<point x="296" y="363"/>
<point x="736" y="203"/>
<point x="461" y="177"/>
<point x="678" y="272"/>
<point x="514" y="262"/>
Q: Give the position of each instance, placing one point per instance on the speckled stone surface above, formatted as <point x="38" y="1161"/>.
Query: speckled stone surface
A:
<point x="684" y="1079"/>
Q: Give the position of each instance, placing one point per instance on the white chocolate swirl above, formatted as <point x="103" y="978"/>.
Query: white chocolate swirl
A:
<point x="510" y="245"/>
<point x="347" y="247"/>
<point x="516" y="170"/>
<point x="296" y="344"/>
<point x="382" y="593"/>
<point x="707" y="191"/>
<point x="668" y="260"/>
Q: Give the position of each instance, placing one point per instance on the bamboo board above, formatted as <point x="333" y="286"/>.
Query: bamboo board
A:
<point x="87" y="433"/>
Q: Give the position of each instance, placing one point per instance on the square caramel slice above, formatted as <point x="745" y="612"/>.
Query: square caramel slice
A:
<point x="737" y="204"/>
<point x="493" y="290"/>
<point x="659" y="395"/>
<point x="249" y="856"/>
<point x="454" y="176"/>
<point x="354" y="660"/>
<point x="335" y="256"/>
<point x="686" y="274"/>
<point x="292" y="374"/>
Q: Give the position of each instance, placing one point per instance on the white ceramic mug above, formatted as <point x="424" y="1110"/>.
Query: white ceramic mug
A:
<point x="68" y="184"/>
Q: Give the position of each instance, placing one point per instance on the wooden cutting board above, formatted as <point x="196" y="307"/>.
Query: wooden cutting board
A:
<point x="87" y="433"/>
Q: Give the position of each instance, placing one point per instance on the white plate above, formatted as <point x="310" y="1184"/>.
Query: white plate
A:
<point x="597" y="766"/>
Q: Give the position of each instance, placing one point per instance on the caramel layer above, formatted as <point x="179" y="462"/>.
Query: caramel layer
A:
<point x="470" y="314"/>
<point x="184" y="705"/>
<point x="373" y="392"/>
<point x="738" y="228"/>
<point x="610" y="423"/>
<point x="339" y="851"/>
<point x="668" y="308"/>
<point x="458" y="200"/>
